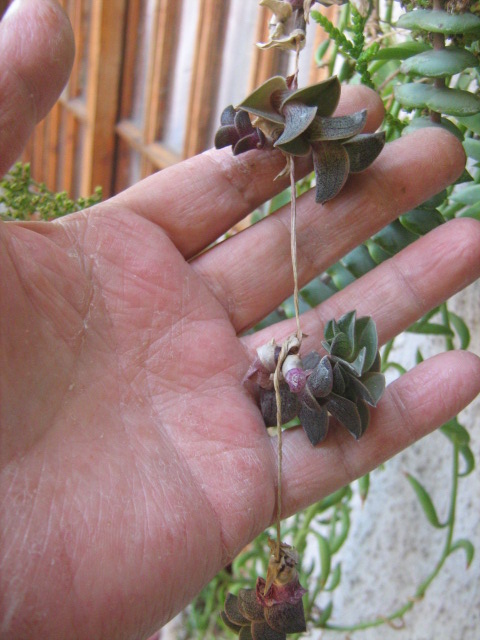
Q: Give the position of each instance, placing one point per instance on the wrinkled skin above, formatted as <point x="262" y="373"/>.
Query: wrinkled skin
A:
<point x="133" y="462"/>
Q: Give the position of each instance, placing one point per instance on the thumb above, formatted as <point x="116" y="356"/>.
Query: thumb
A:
<point x="36" y="56"/>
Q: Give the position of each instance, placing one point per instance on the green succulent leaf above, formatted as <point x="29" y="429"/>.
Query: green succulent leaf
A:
<point x="341" y="277"/>
<point x="469" y="460"/>
<point x="472" y="148"/>
<point x="374" y="383"/>
<point x="461" y="329"/>
<point x="394" y="237"/>
<point x="425" y="502"/>
<point x="421" y="221"/>
<point x="364" y="486"/>
<point x="325" y="558"/>
<point x="339" y="128"/>
<point x="335" y="577"/>
<point x="364" y="414"/>
<point x="440" y="22"/>
<point x="259" y="102"/>
<point x="401" y="50"/>
<point x="341" y="346"/>
<point x="298" y="117"/>
<point x="363" y="149"/>
<point x="423" y="122"/>
<point x="376" y="252"/>
<point x="331" y="163"/>
<point x="358" y="261"/>
<point x="297" y="147"/>
<point x="466" y="546"/>
<point x="453" y="102"/>
<point x="357" y="365"/>
<point x="366" y="337"/>
<point x="467" y="195"/>
<point x="346" y="324"/>
<point x="323" y="95"/>
<point x="456" y="433"/>
<point x="440" y="63"/>
<point x="471" y="122"/>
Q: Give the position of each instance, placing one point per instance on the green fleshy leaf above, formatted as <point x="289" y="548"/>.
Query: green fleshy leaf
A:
<point x="358" y="261"/>
<point x="339" y="128"/>
<point x="346" y="412"/>
<point x="394" y="237"/>
<point x="324" y="616"/>
<point x="423" y="122"/>
<point x="421" y="221"/>
<point x="439" y="63"/>
<point x="331" y="164"/>
<point x="453" y="102"/>
<point x="325" y="558"/>
<point x="376" y="252"/>
<point x="461" y="329"/>
<point x="259" y="101"/>
<point x="298" y="117"/>
<point x="440" y="22"/>
<point x="471" y="122"/>
<point x="375" y="385"/>
<point x="364" y="149"/>
<point x="456" y="433"/>
<point x="337" y="538"/>
<point x="346" y="324"/>
<point x="357" y="365"/>
<point x="468" y="195"/>
<point x="401" y="50"/>
<point x="464" y="545"/>
<point x="340" y="276"/>
<point x="430" y="328"/>
<point x="339" y="381"/>
<point x="364" y="486"/>
<point x="323" y="95"/>
<point x="366" y="336"/>
<point x="472" y="148"/>
<point x="331" y="329"/>
<point x="435" y="201"/>
<point x="341" y="346"/>
<point x="469" y="460"/>
<point x="425" y="502"/>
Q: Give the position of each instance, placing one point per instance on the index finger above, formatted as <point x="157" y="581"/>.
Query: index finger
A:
<point x="198" y="200"/>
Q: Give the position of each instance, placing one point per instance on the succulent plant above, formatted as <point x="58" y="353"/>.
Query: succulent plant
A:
<point x="341" y="383"/>
<point x="274" y="608"/>
<point x="299" y="122"/>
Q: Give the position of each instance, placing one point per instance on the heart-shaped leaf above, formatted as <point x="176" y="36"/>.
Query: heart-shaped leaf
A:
<point x="228" y="115"/>
<point x="226" y="136"/>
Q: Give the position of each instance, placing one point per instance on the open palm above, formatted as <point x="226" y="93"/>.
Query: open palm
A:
<point x="133" y="462"/>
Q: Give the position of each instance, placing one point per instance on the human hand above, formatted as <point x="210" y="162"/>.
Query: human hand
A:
<point x="133" y="462"/>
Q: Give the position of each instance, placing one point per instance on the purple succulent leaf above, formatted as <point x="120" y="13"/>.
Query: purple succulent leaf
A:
<point x="236" y="628"/>
<point x="249" y="605"/>
<point x="320" y="381"/>
<point x="286" y="617"/>
<point x="346" y="412"/>
<point x="246" y="144"/>
<point x="243" y="124"/>
<point x="311" y="360"/>
<point x="233" y="612"/>
<point x="268" y="405"/>
<point x="228" y="115"/>
<point x="225" y="136"/>
<point x="263" y="631"/>
<point x="331" y="164"/>
<point x="313" y="418"/>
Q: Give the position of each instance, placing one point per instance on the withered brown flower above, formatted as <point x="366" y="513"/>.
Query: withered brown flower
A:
<point x="274" y="608"/>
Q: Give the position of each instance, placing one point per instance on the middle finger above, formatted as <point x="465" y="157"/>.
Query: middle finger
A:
<point x="251" y="273"/>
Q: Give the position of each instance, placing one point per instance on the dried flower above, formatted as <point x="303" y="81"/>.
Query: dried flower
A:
<point x="341" y="384"/>
<point x="274" y="608"/>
